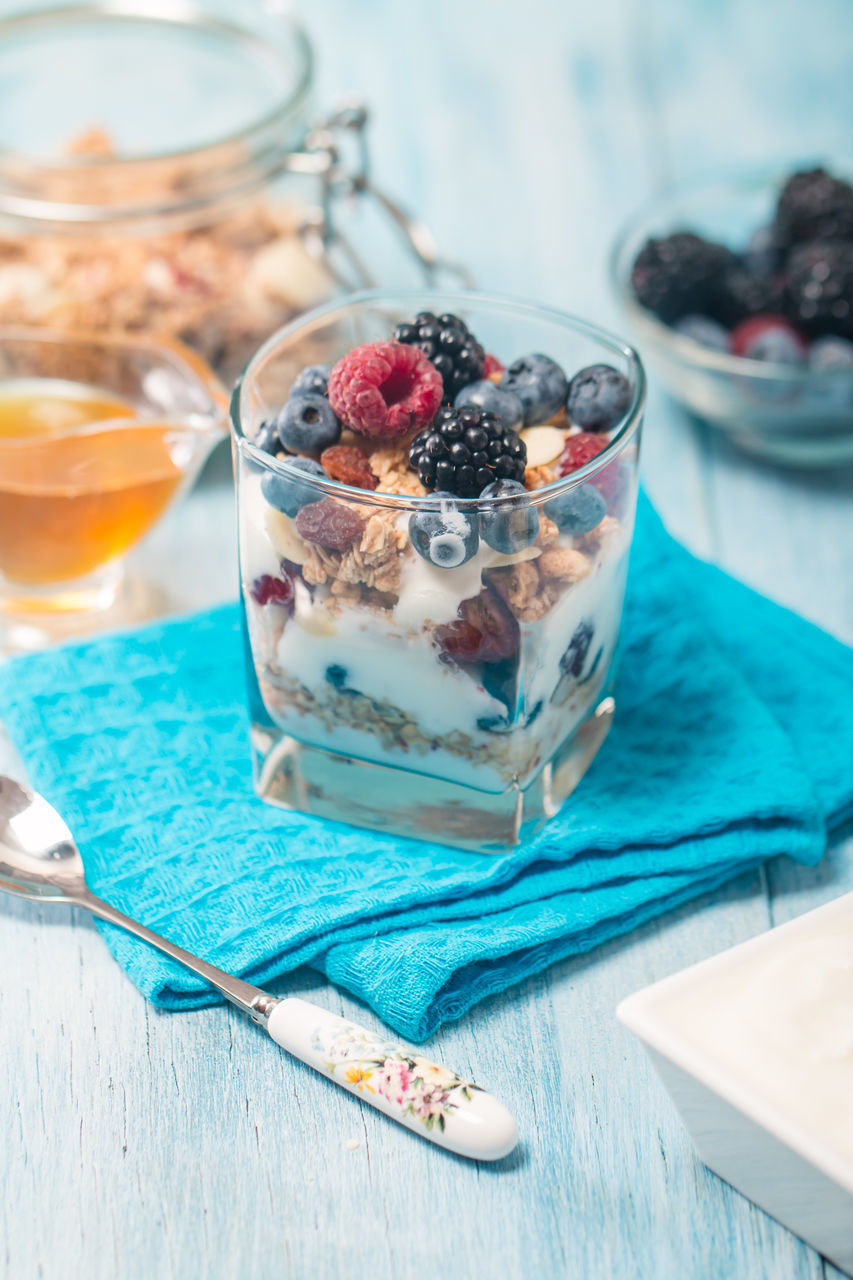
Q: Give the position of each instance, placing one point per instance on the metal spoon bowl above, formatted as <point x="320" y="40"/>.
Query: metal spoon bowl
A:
<point x="38" y="856"/>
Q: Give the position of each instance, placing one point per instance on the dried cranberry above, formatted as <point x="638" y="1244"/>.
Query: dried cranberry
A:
<point x="346" y="463"/>
<point x="330" y="524"/>
<point x="460" y="641"/>
<point x="580" y="449"/>
<point x="270" y="590"/>
<point x="612" y="483"/>
<point x="485" y="631"/>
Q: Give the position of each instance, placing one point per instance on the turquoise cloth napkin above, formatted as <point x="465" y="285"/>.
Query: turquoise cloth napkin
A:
<point x="732" y="743"/>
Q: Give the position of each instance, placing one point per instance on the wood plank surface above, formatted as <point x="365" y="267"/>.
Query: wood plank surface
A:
<point x="140" y="1144"/>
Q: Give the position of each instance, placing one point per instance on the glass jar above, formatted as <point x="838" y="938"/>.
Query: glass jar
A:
<point x="158" y="173"/>
<point x="460" y="704"/>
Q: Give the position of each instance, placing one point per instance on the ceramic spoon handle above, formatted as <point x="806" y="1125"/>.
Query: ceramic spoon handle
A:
<point x="425" y="1097"/>
<point x="437" y="1103"/>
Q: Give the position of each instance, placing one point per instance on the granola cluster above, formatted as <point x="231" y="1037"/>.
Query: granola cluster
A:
<point x="375" y="561"/>
<point x="394" y="728"/>
<point x="221" y="287"/>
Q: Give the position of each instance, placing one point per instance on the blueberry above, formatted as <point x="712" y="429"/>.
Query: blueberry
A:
<point x="503" y="724"/>
<point x="336" y="676"/>
<point x="577" y="511"/>
<point x="574" y="658"/>
<point x="598" y="397"/>
<point x="289" y="495"/>
<point x="533" y="713"/>
<point x="768" y="338"/>
<point x="593" y="666"/>
<point x="509" y="526"/>
<point x="832" y="355"/>
<point x="307" y="424"/>
<point x="540" y="385"/>
<point x="778" y="347"/>
<point x="572" y="663"/>
<point x="500" y="679"/>
<point x="702" y="329"/>
<point x="494" y="724"/>
<point x="831" y="352"/>
<point x="313" y="381"/>
<point x="266" y="437"/>
<point x="446" y="537"/>
<point x="504" y="404"/>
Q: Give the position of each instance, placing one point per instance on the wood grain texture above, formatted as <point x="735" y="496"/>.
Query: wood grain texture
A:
<point x="142" y="1144"/>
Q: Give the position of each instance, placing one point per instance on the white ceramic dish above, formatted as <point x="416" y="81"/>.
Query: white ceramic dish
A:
<point x="755" y="1046"/>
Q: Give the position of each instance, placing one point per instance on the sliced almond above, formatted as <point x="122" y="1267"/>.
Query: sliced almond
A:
<point x="544" y="444"/>
<point x="282" y="534"/>
<point x="317" y="622"/>
<point x="516" y="557"/>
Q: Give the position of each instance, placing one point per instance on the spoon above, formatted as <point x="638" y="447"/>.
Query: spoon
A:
<point x="39" y="860"/>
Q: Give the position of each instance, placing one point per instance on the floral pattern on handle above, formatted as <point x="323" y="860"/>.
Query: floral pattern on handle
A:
<point x="422" y="1089"/>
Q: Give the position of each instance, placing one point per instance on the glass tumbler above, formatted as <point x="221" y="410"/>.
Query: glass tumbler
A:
<point x="462" y="703"/>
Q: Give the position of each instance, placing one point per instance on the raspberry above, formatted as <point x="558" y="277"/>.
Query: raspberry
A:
<point x="580" y="449"/>
<point x="347" y="464"/>
<point x="612" y="484"/>
<point x="330" y="524"/>
<point x="491" y="365"/>
<point x="385" y="389"/>
<point x="270" y="590"/>
<point x="485" y="631"/>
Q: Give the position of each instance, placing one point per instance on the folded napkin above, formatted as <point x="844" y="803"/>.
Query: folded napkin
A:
<point x="731" y="744"/>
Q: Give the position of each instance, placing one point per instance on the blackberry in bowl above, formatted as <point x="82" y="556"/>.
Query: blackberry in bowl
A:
<point x="733" y="290"/>
<point x="414" y="592"/>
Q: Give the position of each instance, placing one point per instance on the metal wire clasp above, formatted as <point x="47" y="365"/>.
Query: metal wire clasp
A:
<point x="336" y="152"/>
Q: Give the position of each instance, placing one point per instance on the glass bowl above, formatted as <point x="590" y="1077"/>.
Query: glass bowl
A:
<point x="460" y="704"/>
<point x="789" y="414"/>
<point x="99" y="437"/>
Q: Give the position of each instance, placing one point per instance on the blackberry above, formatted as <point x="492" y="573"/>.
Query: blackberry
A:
<point x="466" y="449"/>
<point x="820" y="288"/>
<point x="680" y="275"/>
<point x="447" y="343"/>
<point x="814" y="206"/>
<point x="764" y="254"/>
<point x="743" y="294"/>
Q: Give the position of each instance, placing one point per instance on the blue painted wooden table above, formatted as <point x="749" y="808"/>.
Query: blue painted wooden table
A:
<point x="141" y="1144"/>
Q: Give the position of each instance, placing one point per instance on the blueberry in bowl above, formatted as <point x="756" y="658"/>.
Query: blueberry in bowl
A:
<point x="740" y="294"/>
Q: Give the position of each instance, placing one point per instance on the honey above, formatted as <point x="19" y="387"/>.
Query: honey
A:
<point x="82" y="478"/>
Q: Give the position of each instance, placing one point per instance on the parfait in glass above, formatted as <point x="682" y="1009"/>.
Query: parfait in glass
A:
<point x="436" y="497"/>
